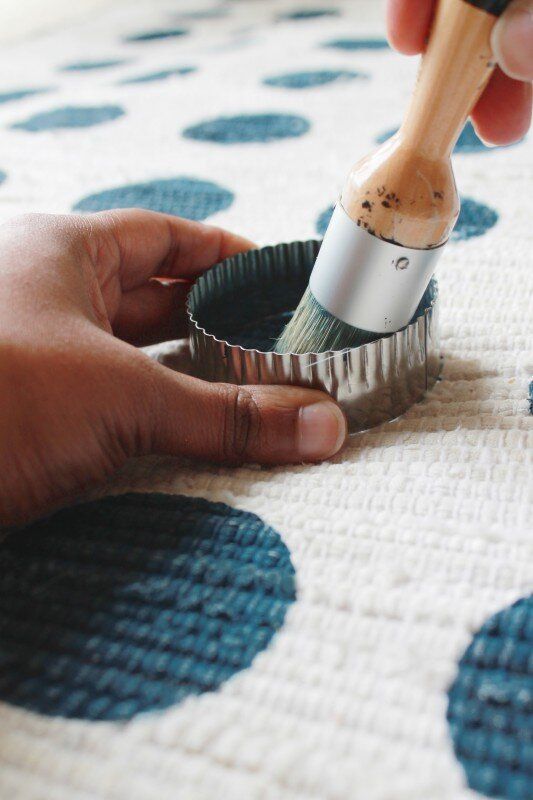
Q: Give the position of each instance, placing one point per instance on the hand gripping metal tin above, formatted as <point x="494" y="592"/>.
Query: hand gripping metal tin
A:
<point x="238" y="308"/>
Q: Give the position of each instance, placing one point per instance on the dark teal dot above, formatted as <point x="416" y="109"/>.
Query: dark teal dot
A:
<point x="249" y="128"/>
<point x="474" y="219"/>
<point x="530" y="397"/>
<point x="305" y="80"/>
<point x="490" y="705"/>
<point x="133" y="603"/>
<point x="88" y="66"/>
<point x="161" y="75"/>
<point x="310" y="13"/>
<point x="184" y="197"/>
<point x="19" y="94"/>
<point x="357" y="44"/>
<point x="468" y="141"/>
<point x="70" y="117"/>
<point x="162" y="33"/>
<point x="323" y="220"/>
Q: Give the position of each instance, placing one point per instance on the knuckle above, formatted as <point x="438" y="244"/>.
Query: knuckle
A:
<point x="241" y="424"/>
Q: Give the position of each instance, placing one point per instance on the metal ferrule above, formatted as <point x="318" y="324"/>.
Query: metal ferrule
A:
<point x="367" y="282"/>
<point x="373" y="383"/>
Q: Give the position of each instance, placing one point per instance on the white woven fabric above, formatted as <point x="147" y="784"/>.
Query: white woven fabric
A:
<point x="408" y="540"/>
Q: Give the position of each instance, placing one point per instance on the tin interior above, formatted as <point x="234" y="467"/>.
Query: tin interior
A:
<point x="238" y="309"/>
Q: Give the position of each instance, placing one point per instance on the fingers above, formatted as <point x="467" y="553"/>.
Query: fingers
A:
<point x="503" y="112"/>
<point x="234" y="424"/>
<point x="512" y="40"/>
<point x="152" y="313"/>
<point x="408" y="24"/>
<point x="141" y="244"/>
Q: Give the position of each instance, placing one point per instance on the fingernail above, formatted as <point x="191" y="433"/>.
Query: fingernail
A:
<point x="511" y="41"/>
<point x="321" y="431"/>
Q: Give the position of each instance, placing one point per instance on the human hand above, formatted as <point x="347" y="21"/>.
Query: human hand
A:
<point x="503" y="113"/>
<point x="77" y="398"/>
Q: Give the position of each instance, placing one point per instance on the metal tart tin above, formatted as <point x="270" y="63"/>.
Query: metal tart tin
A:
<point x="238" y="308"/>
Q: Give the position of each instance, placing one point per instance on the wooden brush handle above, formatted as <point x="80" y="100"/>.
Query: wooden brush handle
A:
<point x="405" y="192"/>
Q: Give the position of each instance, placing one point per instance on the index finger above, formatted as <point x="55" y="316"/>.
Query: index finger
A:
<point x="141" y="244"/>
<point x="408" y="24"/>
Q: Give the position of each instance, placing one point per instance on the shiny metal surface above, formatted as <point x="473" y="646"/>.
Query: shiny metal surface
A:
<point x="367" y="282"/>
<point x="374" y="383"/>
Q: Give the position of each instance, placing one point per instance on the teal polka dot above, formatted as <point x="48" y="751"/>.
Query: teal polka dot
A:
<point x="249" y="128"/>
<point x="357" y="44"/>
<point x="155" y="35"/>
<point x="161" y="75"/>
<point x="133" y="603"/>
<point x="20" y="94"/>
<point x="306" y="80"/>
<point x="3" y="176"/>
<point x="70" y="117"/>
<point x="310" y="13"/>
<point x="474" y="220"/>
<point x="490" y="705"/>
<point x="468" y="141"/>
<point x="184" y="197"/>
<point x="89" y="66"/>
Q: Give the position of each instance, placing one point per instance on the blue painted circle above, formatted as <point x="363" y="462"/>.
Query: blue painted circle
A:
<point x="70" y="117"/>
<point x="357" y="44"/>
<point x="89" y="66"/>
<point x="160" y="75"/>
<point x="20" y="94"/>
<point x="3" y="176"/>
<point x="468" y="141"/>
<point x="474" y="220"/>
<point x="310" y="13"/>
<point x="305" y="80"/>
<point x="160" y="33"/>
<point x="248" y="128"/>
<point x="133" y="603"/>
<point x="490" y="705"/>
<point x="185" y="197"/>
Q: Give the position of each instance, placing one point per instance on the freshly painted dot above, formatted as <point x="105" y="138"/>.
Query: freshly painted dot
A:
<point x="162" y="75"/>
<point x="70" y="117"/>
<point x="163" y="33"/>
<point x="305" y="80"/>
<point x="132" y="603"/>
<point x="88" y="66"/>
<point x="530" y="397"/>
<point x="468" y="141"/>
<point x="19" y="94"/>
<point x="490" y="705"/>
<point x="357" y="44"/>
<point x="474" y="220"/>
<point x="185" y="197"/>
<point x="3" y="176"/>
<point x="249" y="128"/>
<point x="311" y="13"/>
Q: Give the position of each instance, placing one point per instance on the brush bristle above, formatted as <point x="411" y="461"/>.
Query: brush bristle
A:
<point x="312" y="329"/>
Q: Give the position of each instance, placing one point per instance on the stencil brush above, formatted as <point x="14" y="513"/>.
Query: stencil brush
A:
<point x="398" y="205"/>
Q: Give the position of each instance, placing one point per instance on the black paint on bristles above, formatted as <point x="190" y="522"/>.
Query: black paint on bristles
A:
<point x="312" y="329"/>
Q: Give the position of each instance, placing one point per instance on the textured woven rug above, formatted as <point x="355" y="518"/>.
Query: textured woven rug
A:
<point x="356" y="630"/>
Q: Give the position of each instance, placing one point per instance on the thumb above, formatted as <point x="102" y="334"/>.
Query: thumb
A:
<point x="235" y="424"/>
<point x="512" y="40"/>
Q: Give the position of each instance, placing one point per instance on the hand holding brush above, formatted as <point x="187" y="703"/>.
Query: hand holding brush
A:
<point x="399" y="204"/>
